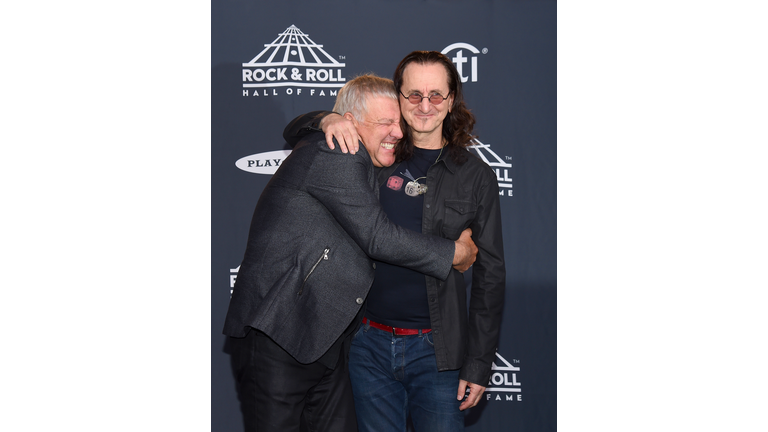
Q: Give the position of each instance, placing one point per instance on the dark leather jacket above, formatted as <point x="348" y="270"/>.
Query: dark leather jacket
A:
<point x="460" y="196"/>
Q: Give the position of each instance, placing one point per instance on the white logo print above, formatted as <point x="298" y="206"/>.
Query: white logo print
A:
<point x="292" y="60"/>
<point x="504" y="379"/>
<point x="501" y="167"/>
<point x="460" y="60"/>
<point x="232" y="278"/>
<point x="263" y="163"/>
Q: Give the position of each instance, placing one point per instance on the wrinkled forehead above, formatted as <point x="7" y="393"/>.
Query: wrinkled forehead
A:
<point x="383" y="108"/>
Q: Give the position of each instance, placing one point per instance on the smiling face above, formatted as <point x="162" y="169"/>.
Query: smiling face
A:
<point x="425" y="79"/>
<point x="379" y="129"/>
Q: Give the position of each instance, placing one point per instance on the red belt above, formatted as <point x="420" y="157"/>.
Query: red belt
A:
<point x="396" y="331"/>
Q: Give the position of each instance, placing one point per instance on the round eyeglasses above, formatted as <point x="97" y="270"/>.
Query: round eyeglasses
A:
<point x="434" y="99"/>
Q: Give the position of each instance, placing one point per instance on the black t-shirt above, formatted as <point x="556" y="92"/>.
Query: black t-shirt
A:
<point x="398" y="297"/>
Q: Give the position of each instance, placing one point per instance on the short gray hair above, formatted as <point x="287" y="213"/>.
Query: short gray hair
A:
<point x="352" y="97"/>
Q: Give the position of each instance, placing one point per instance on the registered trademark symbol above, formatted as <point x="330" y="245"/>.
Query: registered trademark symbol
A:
<point x="485" y="50"/>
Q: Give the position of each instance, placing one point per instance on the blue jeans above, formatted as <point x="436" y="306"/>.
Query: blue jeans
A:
<point x="393" y="376"/>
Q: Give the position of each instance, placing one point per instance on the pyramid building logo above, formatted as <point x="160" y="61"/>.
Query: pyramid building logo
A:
<point x="484" y="152"/>
<point x="295" y="61"/>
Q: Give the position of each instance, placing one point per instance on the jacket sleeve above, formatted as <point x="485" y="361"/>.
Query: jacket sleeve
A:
<point x="303" y="125"/>
<point x="345" y="185"/>
<point x="488" y="286"/>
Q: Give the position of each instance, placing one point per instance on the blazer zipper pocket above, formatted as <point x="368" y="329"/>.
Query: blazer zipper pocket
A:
<point x="324" y="256"/>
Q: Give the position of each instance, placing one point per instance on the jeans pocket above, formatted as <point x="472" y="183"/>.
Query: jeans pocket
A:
<point x="428" y="339"/>
<point x="359" y="330"/>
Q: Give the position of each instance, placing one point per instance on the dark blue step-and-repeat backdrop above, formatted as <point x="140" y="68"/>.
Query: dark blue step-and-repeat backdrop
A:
<point x="505" y="52"/>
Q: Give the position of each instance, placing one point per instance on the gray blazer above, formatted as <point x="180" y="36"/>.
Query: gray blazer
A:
<point x="306" y="269"/>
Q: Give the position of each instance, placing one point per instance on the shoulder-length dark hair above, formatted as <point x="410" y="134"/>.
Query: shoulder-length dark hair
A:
<point x="458" y="123"/>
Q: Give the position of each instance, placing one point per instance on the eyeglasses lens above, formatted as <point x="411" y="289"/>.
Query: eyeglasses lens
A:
<point x="434" y="99"/>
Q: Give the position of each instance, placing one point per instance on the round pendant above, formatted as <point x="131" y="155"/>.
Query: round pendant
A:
<point x="412" y="188"/>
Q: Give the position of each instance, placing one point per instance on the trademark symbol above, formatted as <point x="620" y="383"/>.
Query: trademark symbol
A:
<point x="342" y="57"/>
<point x="515" y="361"/>
<point x="485" y="50"/>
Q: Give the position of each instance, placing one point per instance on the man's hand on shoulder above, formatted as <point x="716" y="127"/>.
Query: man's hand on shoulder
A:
<point x="336" y="126"/>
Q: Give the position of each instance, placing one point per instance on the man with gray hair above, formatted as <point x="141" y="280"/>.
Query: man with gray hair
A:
<point x="307" y="270"/>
